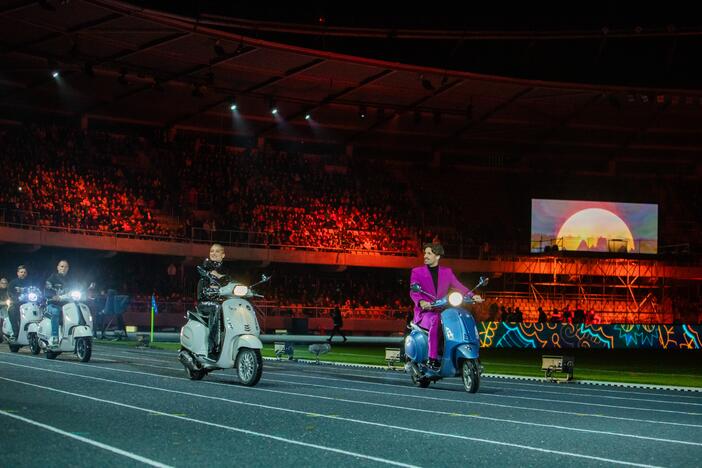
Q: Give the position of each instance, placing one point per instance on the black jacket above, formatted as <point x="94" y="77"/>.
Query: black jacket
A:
<point x="207" y="287"/>
<point x="337" y="318"/>
<point x="13" y="289"/>
<point x="56" y="285"/>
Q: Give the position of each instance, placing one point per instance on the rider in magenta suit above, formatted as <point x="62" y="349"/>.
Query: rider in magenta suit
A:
<point x="435" y="280"/>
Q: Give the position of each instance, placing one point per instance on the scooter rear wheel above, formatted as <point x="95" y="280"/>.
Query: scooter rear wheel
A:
<point x="194" y="374"/>
<point x="420" y="382"/>
<point x="471" y="377"/>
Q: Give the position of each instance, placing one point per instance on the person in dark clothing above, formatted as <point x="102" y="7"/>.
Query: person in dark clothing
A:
<point x="338" y="323"/>
<point x="4" y="293"/>
<point x="14" y="289"/>
<point x="57" y="285"/>
<point x="517" y="316"/>
<point x="212" y="277"/>
<point x="542" y="315"/>
<point x="4" y="301"/>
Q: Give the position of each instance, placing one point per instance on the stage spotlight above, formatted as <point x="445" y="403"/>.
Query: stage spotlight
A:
<point x="232" y="105"/>
<point x="156" y="85"/>
<point x="123" y="77"/>
<point x="362" y="111"/>
<point x="273" y="107"/>
<point x="46" y="5"/>
<point x="88" y="69"/>
<point x="219" y="50"/>
<point x="197" y="91"/>
<point x="55" y="73"/>
<point x="308" y="116"/>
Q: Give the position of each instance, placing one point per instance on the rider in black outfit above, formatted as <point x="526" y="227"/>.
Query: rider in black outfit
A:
<point x="212" y="278"/>
<point x="14" y="289"/>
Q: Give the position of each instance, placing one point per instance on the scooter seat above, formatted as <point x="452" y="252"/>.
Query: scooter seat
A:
<point x="414" y="326"/>
<point x="193" y="315"/>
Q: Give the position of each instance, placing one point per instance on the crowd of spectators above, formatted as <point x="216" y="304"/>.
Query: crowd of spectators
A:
<point x="111" y="183"/>
<point x="192" y="186"/>
<point x="54" y="177"/>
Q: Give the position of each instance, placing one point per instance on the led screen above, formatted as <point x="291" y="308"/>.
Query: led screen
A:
<point x="589" y="226"/>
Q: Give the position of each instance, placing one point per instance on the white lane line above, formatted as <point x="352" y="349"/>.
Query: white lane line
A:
<point x="198" y="421"/>
<point x="496" y="379"/>
<point x="367" y="403"/>
<point x="109" y="448"/>
<point x="423" y="397"/>
<point x="306" y="413"/>
<point x="502" y="396"/>
<point x="485" y="386"/>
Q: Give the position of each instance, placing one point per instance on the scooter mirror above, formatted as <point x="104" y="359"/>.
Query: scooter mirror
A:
<point x="484" y="280"/>
<point x="415" y="287"/>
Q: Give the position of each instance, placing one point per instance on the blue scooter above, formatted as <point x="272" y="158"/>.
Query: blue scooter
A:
<point x="461" y="342"/>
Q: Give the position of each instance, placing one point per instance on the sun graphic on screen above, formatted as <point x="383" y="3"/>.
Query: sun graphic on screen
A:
<point x="595" y="229"/>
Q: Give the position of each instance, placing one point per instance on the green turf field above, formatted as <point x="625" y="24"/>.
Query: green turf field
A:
<point x="680" y="368"/>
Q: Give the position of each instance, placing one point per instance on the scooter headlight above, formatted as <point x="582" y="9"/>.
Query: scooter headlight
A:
<point x="241" y="290"/>
<point x="75" y="295"/>
<point x="455" y="299"/>
<point x="8" y="303"/>
<point x="32" y="297"/>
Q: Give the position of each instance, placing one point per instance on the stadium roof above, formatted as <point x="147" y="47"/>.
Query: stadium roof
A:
<point x="119" y="62"/>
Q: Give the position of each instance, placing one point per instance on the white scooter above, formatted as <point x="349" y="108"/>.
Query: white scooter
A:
<point x="76" y="332"/>
<point x="30" y="315"/>
<point x="240" y="346"/>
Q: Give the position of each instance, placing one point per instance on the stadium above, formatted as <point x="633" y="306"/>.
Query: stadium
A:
<point x="252" y="205"/>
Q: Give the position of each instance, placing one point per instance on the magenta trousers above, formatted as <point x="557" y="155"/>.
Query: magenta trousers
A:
<point x="432" y="321"/>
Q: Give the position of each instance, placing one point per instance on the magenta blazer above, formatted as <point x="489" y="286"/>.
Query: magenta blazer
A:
<point x="447" y="281"/>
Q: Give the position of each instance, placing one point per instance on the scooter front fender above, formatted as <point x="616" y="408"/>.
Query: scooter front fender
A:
<point x="82" y="331"/>
<point x="466" y="351"/>
<point x="246" y="341"/>
<point x="33" y="327"/>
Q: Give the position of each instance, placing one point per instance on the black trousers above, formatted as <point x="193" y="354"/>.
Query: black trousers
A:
<point x="337" y="328"/>
<point x="14" y="314"/>
<point x="213" y="313"/>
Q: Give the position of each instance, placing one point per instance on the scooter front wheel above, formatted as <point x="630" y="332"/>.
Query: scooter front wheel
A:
<point x="34" y="344"/>
<point x="84" y="349"/>
<point x="471" y="377"/>
<point x="249" y="366"/>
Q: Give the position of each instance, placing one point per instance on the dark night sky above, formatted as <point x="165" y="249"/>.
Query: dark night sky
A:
<point x="667" y="62"/>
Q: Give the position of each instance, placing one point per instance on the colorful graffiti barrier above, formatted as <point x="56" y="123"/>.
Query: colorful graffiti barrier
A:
<point x="565" y="335"/>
